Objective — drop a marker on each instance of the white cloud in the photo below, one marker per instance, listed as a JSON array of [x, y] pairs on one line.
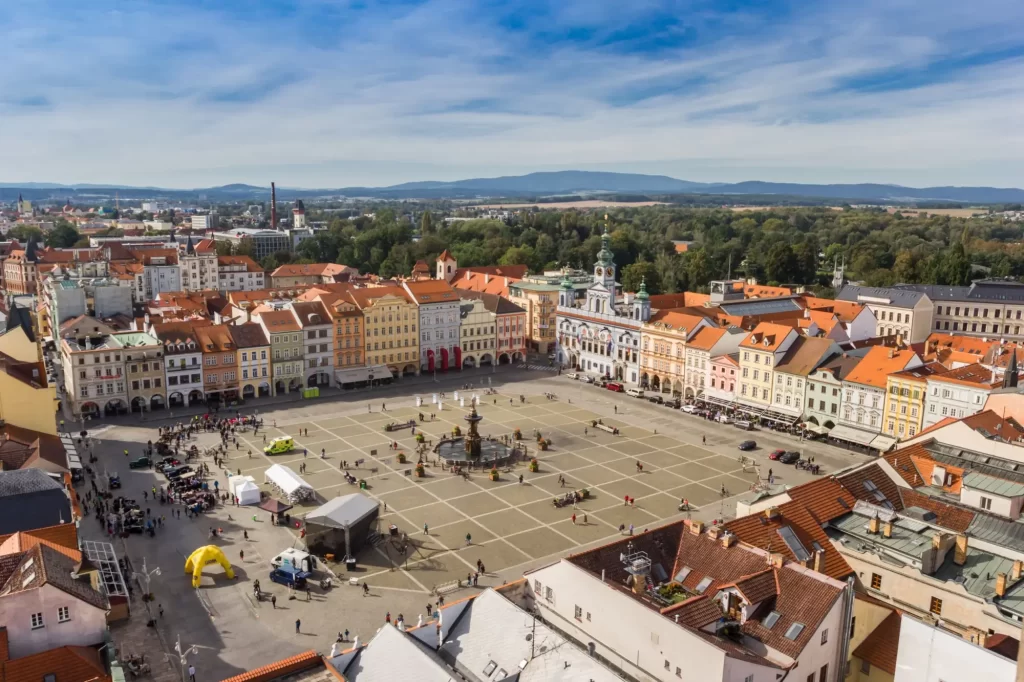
[[439, 92]]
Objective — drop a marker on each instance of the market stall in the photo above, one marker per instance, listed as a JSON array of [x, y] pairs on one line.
[[289, 483], [245, 489]]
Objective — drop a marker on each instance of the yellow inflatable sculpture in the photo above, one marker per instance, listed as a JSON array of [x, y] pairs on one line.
[[206, 555]]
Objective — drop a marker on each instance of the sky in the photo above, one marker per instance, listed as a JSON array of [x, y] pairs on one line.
[[337, 93]]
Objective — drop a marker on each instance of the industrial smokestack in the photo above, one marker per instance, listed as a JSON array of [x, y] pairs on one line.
[[273, 207]]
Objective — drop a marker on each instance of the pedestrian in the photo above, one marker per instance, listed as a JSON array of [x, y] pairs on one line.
[[574, 519], [191, 673], [303, 453], [387, 618], [426, 531], [520, 479], [250, 453], [308, 593], [160, 608], [631, 529], [430, 608], [323, 453], [346, 635], [383, 407], [616, 409], [703, 440], [241, 555], [366, 589], [469, 539], [769, 475], [625, 500], [298, 625], [245, 534], [632, 502], [585, 522], [273, 600]]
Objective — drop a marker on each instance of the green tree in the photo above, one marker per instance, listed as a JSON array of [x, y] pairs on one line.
[[62, 236], [223, 248], [904, 270], [954, 268], [698, 269], [25, 233], [780, 265], [426, 224], [517, 255], [641, 271]]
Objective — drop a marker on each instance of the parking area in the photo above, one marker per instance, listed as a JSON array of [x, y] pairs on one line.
[[511, 526]]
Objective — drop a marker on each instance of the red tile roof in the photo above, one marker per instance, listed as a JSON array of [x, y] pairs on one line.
[[767, 336], [877, 479], [758, 587], [880, 647], [949, 516], [878, 364], [279, 669], [64, 534], [66, 663]]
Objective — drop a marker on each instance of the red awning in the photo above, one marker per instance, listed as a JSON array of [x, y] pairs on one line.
[[458, 357], [430, 361], [444, 359]]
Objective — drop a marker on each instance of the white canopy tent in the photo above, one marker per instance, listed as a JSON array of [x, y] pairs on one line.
[[245, 489], [289, 483]]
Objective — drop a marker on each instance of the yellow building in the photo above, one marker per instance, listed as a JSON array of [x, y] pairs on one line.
[[478, 337], [27, 398], [539, 301], [390, 318], [760, 353], [663, 350], [904, 400]]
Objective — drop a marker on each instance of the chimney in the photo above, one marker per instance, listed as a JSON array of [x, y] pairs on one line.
[[873, 525], [937, 541], [960, 554], [273, 206], [1015, 573], [487, 278], [696, 527], [887, 529], [1000, 584], [771, 512], [775, 559], [728, 539], [819, 561], [892, 353], [714, 532]]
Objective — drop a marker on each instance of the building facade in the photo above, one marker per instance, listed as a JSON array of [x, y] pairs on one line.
[[905, 394], [220, 363], [254, 366], [239, 273], [286, 344], [790, 399], [198, 263], [144, 369], [318, 339], [760, 352], [438, 306], [478, 332], [902, 312], [864, 390], [390, 322], [540, 303], [183, 362], [959, 392]]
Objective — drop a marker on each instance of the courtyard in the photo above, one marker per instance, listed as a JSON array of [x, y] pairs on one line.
[[511, 526]]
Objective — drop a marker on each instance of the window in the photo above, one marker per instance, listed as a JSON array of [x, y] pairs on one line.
[[63, 614], [37, 621], [986, 503], [794, 631], [549, 594], [824, 636], [876, 581], [865, 667], [823, 673], [668, 666], [936, 606], [578, 613]]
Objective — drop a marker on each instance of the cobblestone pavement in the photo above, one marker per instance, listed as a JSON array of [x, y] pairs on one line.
[[512, 526]]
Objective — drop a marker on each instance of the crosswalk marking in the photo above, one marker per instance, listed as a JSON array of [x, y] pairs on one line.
[[544, 368]]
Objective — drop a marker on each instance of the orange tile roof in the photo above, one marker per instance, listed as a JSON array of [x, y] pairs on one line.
[[214, 338], [902, 461], [825, 320], [684, 299], [66, 663], [824, 499], [880, 647], [969, 375], [279, 321], [206, 246], [484, 283], [920, 374], [925, 466], [445, 255], [513, 272], [846, 311], [767, 336], [432, 291], [23, 541], [949, 516], [65, 535], [996, 425], [949, 348], [368, 296], [309, 269], [764, 291], [273, 671], [878, 364], [249, 263], [673, 320], [706, 338]]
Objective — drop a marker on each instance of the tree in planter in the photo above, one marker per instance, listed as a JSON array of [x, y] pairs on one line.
[[420, 438], [421, 472], [456, 432], [494, 475], [401, 458], [517, 434], [534, 465], [543, 443]]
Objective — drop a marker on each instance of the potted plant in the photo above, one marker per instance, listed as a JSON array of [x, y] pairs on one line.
[[517, 434], [494, 475], [584, 493], [534, 465], [456, 432], [420, 438], [543, 443], [421, 472], [401, 458], [539, 437]]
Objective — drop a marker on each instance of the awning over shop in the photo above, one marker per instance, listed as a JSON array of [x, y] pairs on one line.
[[852, 435], [753, 410], [352, 376], [883, 443], [781, 417], [444, 359], [458, 357], [814, 428], [715, 400]]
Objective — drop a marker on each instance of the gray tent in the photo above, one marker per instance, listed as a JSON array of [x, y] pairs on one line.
[[341, 526]]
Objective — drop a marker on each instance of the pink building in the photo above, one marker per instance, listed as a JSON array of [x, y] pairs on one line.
[[721, 388], [510, 326]]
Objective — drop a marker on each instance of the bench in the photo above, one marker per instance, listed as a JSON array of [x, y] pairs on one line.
[[605, 427]]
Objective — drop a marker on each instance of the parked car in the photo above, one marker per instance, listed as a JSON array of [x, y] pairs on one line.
[[674, 403], [280, 445], [689, 409], [775, 454], [657, 399], [589, 379], [743, 424], [140, 463], [748, 445], [635, 392], [573, 375], [612, 386], [789, 457], [724, 419], [290, 576]]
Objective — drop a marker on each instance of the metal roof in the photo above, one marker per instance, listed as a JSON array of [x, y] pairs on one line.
[[891, 296], [991, 484], [760, 306], [981, 291], [998, 531], [977, 462]]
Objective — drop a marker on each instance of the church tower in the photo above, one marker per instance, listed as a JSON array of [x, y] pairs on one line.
[[642, 303], [839, 274], [566, 292], [446, 266], [604, 268]]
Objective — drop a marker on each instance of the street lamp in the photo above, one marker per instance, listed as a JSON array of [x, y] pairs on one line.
[[183, 655], [146, 575]]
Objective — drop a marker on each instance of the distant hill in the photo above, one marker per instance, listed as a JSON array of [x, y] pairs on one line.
[[537, 185]]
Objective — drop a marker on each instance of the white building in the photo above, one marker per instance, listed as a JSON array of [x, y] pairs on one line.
[[792, 375], [928, 653], [898, 311], [438, 304], [599, 335], [239, 273], [161, 272], [707, 343], [183, 361], [199, 266], [203, 222], [318, 338], [679, 602], [959, 393], [863, 405]]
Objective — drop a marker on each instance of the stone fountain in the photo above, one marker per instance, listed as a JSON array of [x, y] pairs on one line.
[[472, 447]]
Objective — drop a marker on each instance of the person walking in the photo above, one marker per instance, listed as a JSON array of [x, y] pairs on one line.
[[298, 625], [366, 589], [387, 618], [469, 539], [273, 601], [426, 531], [574, 519], [191, 673], [703, 440]]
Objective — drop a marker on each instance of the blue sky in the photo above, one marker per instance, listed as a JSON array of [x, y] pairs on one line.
[[329, 93]]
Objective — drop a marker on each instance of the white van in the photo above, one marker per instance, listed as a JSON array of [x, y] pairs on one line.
[[295, 557], [635, 392], [573, 376], [724, 419]]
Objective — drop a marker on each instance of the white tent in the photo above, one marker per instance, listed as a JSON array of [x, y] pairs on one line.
[[245, 489], [288, 482]]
